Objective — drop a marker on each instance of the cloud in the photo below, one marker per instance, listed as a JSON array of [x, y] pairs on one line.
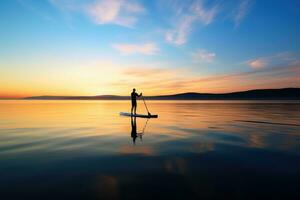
[[178, 36], [206, 16], [117, 12], [197, 12], [257, 63], [241, 11], [283, 58], [202, 55], [274, 77], [146, 48], [165, 81]]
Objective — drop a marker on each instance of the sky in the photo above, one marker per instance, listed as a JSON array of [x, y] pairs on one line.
[[98, 47]]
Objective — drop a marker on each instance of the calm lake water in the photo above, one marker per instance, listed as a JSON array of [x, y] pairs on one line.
[[195, 149]]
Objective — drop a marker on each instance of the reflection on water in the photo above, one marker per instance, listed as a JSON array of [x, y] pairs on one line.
[[203, 149], [134, 133]]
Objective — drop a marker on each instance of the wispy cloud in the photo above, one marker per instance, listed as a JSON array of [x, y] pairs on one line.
[[205, 15], [257, 63], [196, 12], [283, 58], [162, 81], [146, 48], [179, 34], [118, 12], [202, 55], [273, 77], [241, 11], [200, 12]]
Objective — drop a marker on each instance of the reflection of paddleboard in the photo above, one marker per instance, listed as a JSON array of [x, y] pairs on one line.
[[138, 115]]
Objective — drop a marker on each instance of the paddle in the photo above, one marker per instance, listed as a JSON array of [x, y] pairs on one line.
[[146, 106]]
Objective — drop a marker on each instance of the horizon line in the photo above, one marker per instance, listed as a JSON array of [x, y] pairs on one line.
[[159, 95]]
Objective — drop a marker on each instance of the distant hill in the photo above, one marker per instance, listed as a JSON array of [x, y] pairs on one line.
[[261, 94]]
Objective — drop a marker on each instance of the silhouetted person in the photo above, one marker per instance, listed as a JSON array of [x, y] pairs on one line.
[[133, 129], [134, 95]]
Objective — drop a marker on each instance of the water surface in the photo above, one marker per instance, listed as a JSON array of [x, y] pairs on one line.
[[195, 149]]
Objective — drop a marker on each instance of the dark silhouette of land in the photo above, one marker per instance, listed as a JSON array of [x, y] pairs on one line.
[[259, 94]]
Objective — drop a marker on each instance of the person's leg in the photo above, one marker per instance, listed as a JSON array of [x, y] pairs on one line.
[[132, 107], [135, 108]]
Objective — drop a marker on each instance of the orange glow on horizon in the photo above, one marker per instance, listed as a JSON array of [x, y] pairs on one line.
[[152, 82]]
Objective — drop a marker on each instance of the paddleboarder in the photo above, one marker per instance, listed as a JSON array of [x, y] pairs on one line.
[[134, 95]]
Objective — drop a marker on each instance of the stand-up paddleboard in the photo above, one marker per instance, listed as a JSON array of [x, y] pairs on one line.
[[137, 115]]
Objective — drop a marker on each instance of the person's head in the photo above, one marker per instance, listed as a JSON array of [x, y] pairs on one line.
[[133, 89]]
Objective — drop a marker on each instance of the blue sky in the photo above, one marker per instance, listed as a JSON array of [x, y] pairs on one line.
[[89, 47]]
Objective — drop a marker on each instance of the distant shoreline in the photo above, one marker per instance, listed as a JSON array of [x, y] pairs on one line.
[[259, 94]]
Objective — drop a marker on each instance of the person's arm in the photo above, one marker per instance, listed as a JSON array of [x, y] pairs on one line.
[[140, 95]]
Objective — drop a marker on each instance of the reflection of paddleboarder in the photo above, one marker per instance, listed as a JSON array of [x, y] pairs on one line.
[[133, 129], [134, 133], [134, 95]]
